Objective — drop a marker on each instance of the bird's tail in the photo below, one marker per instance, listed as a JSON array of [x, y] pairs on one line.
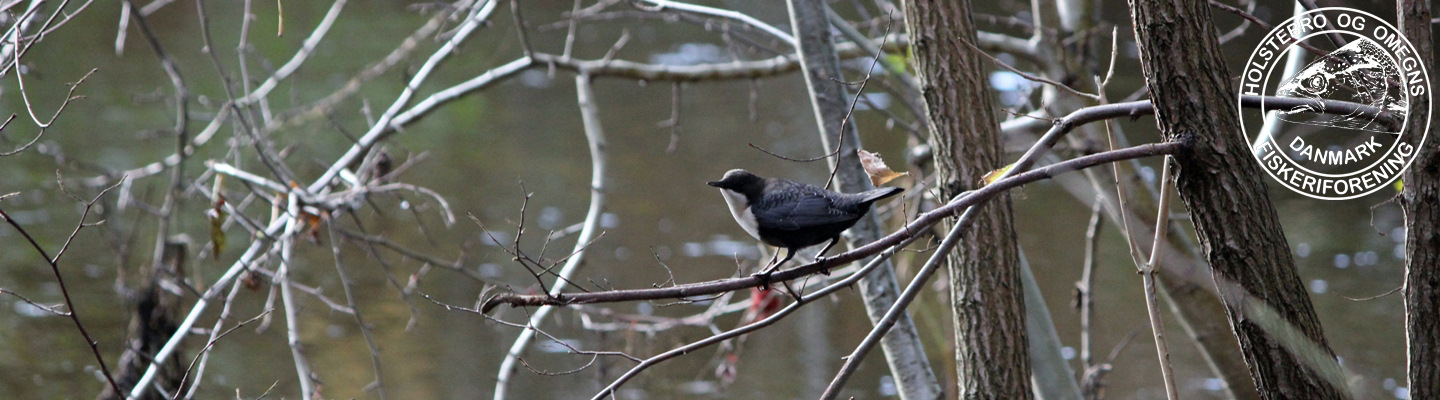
[[879, 193]]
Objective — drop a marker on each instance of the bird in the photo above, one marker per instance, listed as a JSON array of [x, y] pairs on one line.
[[793, 215]]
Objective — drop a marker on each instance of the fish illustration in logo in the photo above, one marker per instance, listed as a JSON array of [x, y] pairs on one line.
[[1359, 72]]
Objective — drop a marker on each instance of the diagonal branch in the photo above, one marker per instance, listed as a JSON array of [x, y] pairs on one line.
[[909, 230], [1063, 126]]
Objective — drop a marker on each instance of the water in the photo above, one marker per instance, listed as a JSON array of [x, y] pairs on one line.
[[479, 151]]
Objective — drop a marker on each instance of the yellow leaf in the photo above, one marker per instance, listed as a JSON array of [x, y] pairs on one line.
[[996, 174], [217, 217], [875, 167]]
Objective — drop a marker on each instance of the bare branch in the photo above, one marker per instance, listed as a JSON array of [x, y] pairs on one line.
[[64, 290], [292, 321], [25, 98], [1147, 273], [55, 309], [211, 343], [595, 135], [918, 225], [1061, 127], [365, 330], [660, 5], [384, 126], [747, 328], [1029, 76], [306, 49]]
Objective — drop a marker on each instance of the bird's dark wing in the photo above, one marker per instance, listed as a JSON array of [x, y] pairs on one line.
[[805, 209]]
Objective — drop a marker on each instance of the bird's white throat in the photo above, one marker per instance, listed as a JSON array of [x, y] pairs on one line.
[[740, 209]]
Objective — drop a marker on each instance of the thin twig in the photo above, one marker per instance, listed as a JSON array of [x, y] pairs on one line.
[[55, 309], [25, 98], [595, 136], [744, 329], [204, 354], [520, 27], [573, 349], [1147, 273], [1266, 26], [211, 343], [60, 281], [382, 127], [251, 254], [306, 49], [1059, 130], [1029, 76], [920, 224], [365, 330], [859, 92], [840, 143], [660, 5], [1084, 295], [68, 97]]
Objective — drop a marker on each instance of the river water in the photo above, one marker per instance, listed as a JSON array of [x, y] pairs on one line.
[[484, 151]]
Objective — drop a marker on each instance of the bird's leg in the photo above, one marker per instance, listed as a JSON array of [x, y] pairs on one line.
[[774, 257], [765, 274], [820, 257], [789, 253]]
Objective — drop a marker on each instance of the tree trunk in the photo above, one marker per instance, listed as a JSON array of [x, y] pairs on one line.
[[904, 352], [1267, 305], [1421, 201], [154, 319], [985, 290], [1073, 57]]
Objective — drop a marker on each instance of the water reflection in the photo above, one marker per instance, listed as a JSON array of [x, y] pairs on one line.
[[692, 54], [29, 310], [526, 130], [564, 345], [702, 387], [724, 246]]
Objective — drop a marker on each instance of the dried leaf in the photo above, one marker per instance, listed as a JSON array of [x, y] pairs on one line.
[[313, 221], [875, 167], [996, 174], [217, 234], [250, 280], [217, 217]]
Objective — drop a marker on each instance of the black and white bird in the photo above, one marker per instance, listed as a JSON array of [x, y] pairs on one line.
[[793, 215]]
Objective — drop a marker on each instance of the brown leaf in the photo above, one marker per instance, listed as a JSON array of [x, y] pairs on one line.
[[875, 167], [250, 280], [217, 217], [313, 221]]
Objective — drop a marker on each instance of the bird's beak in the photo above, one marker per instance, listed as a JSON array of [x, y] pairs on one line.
[[713, 183]]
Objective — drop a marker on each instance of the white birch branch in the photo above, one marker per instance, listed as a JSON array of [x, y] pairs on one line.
[[287, 297], [590, 116], [201, 304], [306, 48], [382, 127], [729, 14]]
